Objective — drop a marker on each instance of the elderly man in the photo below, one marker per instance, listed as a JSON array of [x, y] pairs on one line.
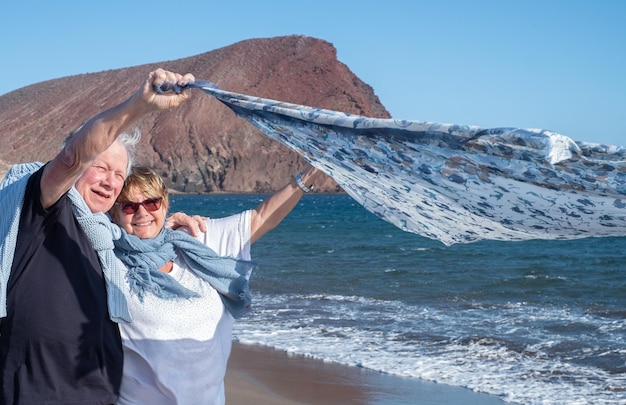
[[59, 343]]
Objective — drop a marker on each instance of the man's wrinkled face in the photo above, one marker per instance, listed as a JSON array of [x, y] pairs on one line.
[[102, 182]]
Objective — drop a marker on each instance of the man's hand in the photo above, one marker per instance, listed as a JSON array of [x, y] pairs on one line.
[[192, 224], [151, 100]]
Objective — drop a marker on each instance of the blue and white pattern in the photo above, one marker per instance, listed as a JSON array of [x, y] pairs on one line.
[[454, 183]]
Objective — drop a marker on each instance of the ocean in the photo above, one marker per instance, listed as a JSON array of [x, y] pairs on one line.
[[536, 322]]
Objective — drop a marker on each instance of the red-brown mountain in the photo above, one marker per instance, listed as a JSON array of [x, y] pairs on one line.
[[201, 146]]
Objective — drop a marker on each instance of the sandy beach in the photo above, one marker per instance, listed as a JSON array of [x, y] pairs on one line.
[[263, 376]]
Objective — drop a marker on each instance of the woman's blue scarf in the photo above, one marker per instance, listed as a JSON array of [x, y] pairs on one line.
[[144, 258]]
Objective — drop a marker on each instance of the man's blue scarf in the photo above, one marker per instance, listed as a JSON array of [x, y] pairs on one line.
[[97, 227]]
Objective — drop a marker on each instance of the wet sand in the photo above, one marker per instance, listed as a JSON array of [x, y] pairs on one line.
[[263, 376]]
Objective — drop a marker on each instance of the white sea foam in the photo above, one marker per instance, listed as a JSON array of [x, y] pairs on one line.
[[471, 348]]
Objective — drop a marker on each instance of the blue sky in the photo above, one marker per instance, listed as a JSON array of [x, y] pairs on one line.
[[551, 64]]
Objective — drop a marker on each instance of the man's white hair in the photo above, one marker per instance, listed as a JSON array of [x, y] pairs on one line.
[[128, 140]]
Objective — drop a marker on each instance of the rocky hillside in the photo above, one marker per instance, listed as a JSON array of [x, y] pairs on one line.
[[201, 146]]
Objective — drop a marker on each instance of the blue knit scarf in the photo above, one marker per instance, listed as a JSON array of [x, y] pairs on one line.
[[96, 226], [143, 258]]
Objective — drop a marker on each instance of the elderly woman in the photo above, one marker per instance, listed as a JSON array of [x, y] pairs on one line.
[[186, 292]]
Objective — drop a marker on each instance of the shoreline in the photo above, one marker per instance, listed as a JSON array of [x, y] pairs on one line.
[[264, 376]]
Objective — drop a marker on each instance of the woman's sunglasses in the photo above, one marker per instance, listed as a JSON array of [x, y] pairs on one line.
[[151, 204]]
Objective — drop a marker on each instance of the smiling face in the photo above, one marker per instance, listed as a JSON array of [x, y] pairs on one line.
[[142, 222], [102, 182], [142, 205]]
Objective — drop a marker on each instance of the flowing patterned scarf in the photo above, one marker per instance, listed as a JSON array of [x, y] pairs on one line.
[[454, 183], [143, 258]]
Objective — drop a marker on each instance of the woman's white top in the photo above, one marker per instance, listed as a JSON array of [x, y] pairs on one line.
[[176, 351]]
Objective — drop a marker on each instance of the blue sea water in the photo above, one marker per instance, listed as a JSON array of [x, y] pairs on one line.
[[536, 322]]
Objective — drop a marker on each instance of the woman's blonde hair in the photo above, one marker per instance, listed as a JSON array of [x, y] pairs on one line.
[[146, 181]]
